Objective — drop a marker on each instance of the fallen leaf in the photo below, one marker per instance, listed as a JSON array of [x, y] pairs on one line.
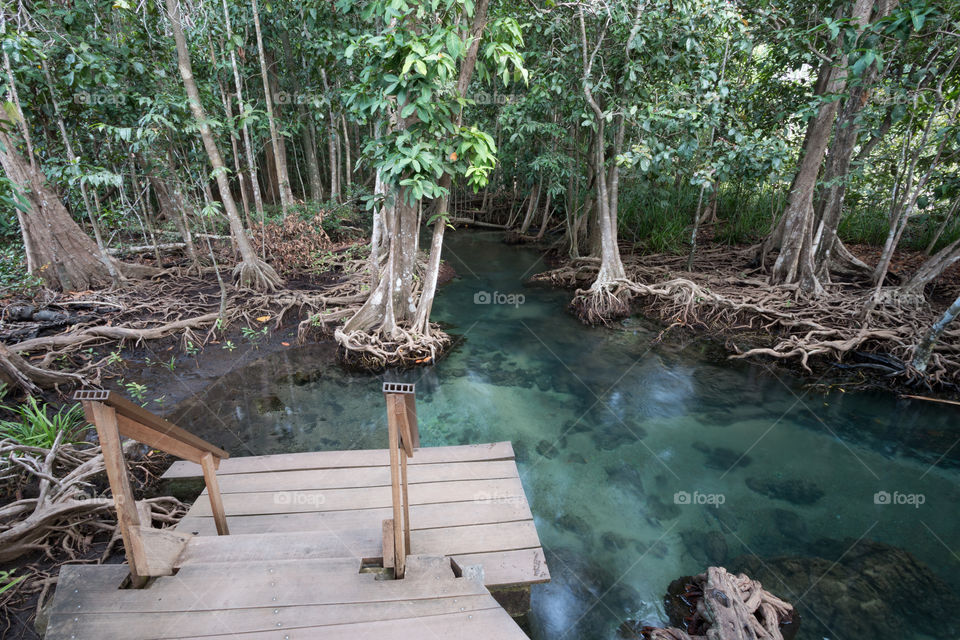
[[263, 318]]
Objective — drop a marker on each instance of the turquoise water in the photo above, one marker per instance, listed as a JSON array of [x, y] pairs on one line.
[[643, 461]]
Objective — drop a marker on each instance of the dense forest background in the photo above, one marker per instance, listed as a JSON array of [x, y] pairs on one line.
[[803, 155]]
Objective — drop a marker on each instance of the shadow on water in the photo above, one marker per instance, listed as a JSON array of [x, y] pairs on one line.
[[646, 462]]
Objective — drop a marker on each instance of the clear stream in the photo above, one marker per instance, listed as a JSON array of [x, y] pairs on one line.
[[645, 461]]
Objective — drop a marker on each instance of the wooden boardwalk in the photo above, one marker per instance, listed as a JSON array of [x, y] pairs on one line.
[[301, 526]]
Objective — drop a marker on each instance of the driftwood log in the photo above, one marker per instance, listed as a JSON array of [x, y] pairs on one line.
[[718, 605]]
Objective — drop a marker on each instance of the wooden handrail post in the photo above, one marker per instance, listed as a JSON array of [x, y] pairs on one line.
[[150, 552], [104, 418], [404, 437], [209, 465], [400, 555]]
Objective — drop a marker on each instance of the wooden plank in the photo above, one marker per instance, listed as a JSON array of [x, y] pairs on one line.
[[479, 538], [157, 440], [489, 624], [478, 491], [135, 412], [364, 476], [410, 404], [345, 459], [361, 543], [399, 550], [503, 568], [220, 586], [422, 516], [389, 560], [162, 549], [209, 466], [104, 419], [405, 497], [163, 626]]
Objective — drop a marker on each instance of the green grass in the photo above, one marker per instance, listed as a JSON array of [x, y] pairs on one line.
[[36, 426]]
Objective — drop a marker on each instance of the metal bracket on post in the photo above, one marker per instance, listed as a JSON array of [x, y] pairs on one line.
[[404, 437]]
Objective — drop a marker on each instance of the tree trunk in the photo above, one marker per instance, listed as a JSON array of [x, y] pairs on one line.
[[331, 142], [844, 142], [933, 268], [924, 350], [250, 272], [546, 218], [241, 106], [425, 305], [71, 157], [796, 261], [276, 144], [174, 214], [532, 207], [57, 248]]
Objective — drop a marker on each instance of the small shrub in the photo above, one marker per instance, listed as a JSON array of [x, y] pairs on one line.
[[37, 427]]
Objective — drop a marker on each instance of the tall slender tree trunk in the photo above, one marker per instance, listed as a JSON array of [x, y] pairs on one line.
[[280, 160], [251, 271], [242, 108], [532, 207], [331, 141], [601, 301]]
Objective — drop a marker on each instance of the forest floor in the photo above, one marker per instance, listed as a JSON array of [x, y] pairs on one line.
[[728, 297]]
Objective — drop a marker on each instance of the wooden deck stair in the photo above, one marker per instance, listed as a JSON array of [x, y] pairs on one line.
[[399, 542], [281, 599]]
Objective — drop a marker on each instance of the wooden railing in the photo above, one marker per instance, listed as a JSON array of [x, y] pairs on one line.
[[150, 552], [404, 437]]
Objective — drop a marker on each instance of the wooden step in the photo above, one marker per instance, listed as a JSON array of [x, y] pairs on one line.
[[312, 598], [360, 543], [345, 459]]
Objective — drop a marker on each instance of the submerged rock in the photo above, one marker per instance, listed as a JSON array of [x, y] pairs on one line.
[[708, 548], [547, 449], [615, 542], [268, 404], [794, 490], [867, 590], [721, 458], [575, 525], [662, 510]]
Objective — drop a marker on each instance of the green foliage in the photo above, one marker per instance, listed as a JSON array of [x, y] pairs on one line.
[[254, 336], [136, 390], [36, 426], [14, 277]]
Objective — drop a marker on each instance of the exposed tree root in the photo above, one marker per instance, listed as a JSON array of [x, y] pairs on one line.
[[717, 605], [65, 510], [373, 351], [728, 297], [601, 304], [192, 307], [257, 275]]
